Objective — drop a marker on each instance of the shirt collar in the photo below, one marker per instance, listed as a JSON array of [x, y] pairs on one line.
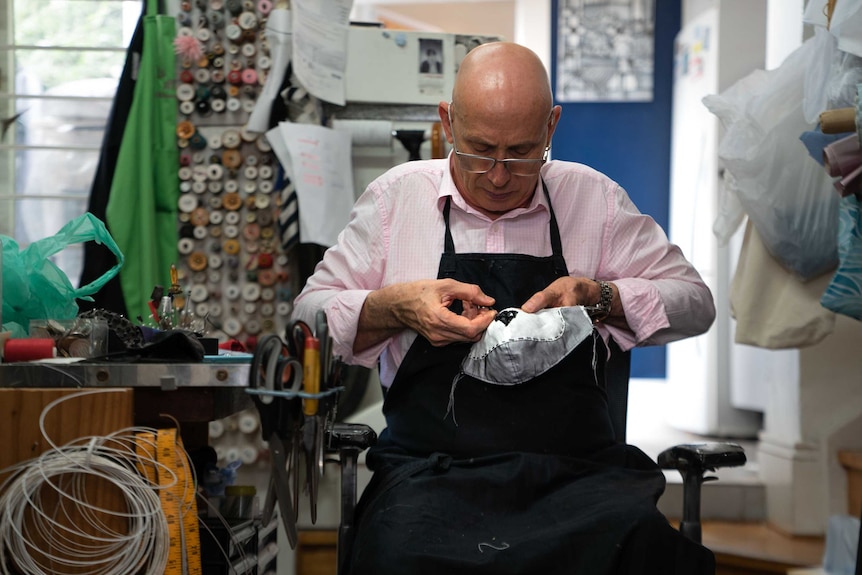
[[448, 189]]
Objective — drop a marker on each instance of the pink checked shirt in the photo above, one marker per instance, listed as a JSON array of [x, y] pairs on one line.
[[396, 230]]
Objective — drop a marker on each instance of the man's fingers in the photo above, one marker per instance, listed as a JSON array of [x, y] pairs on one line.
[[537, 301], [457, 328], [466, 293]]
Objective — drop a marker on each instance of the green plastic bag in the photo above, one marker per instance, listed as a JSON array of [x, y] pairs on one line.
[[35, 288]]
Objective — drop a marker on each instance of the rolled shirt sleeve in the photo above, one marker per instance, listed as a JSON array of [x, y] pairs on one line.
[[663, 295]]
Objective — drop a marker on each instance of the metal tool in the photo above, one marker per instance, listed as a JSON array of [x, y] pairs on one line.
[[295, 335], [318, 406], [320, 411], [312, 436], [280, 421]]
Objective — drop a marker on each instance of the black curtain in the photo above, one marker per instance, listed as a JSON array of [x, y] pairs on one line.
[[97, 258]]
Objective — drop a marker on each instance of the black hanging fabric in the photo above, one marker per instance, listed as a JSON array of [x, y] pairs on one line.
[[97, 258], [279, 112]]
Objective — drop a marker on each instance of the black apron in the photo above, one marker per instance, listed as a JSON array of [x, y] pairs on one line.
[[507, 479]]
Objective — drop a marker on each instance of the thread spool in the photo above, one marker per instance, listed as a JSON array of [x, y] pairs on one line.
[[216, 429], [248, 423], [28, 349], [248, 454], [838, 121], [232, 454]]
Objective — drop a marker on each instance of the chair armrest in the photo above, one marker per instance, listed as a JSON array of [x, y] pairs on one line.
[[350, 436], [702, 456], [348, 440], [693, 461]]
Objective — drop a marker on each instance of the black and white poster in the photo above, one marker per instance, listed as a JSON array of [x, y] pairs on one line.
[[605, 50]]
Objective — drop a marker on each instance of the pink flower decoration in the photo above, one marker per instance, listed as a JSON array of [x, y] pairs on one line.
[[188, 47]]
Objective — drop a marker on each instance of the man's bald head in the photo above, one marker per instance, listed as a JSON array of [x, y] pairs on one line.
[[502, 78]]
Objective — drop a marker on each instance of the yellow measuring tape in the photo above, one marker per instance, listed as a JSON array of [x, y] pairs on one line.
[[177, 500]]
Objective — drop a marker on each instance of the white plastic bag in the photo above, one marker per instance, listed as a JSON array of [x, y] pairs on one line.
[[832, 76], [816, 92], [787, 195], [846, 25]]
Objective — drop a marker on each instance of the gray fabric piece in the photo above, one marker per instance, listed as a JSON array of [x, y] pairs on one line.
[[519, 346]]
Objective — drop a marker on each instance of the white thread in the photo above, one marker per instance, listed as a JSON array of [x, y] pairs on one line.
[[72, 532], [502, 547], [450, 408]]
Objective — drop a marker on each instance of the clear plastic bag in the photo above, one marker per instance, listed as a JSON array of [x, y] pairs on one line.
[[786, 194]]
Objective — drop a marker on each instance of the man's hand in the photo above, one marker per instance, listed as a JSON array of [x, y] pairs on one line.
[[564, 292], [424, 306], [569, 291]]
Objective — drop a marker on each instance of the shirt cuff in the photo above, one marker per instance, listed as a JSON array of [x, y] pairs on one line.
[[651, 316]]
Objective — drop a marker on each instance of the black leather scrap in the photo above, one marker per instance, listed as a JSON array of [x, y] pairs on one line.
[[171, 346]]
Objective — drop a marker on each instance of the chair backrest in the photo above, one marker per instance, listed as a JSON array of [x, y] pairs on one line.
[[617, 371]]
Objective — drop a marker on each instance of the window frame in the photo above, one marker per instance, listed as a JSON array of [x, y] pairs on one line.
[[13, 152]]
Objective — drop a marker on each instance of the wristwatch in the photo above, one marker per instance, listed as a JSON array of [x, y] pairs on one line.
[[602, 309]]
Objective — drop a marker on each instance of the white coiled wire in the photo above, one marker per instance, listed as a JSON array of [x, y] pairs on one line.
[[75, 534]]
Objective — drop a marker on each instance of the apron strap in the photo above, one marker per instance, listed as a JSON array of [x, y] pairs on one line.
[[556, 242], [447, 264]]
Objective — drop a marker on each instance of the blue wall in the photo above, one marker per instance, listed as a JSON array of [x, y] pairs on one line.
[[630, 142]]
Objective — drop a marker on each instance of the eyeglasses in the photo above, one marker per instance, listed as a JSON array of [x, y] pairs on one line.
[[484, 164]]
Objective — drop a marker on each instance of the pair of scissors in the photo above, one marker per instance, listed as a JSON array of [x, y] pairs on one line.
[[280, 420], [314, 347], [317, 360]]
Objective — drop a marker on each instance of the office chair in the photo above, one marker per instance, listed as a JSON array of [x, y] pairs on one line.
[[692, 461]]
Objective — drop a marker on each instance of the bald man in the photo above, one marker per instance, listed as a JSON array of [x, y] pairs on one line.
[[528, 478]]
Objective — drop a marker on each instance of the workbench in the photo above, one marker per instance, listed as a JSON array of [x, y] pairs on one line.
[[157, 395], [192, 393]]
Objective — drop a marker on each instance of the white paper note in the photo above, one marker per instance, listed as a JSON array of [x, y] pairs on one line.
[[320, 30], [317, 159]]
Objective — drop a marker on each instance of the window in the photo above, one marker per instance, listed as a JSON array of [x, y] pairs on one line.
[[60, 61]]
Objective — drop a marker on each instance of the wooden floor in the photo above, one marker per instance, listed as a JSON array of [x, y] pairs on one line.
[[757, 549]]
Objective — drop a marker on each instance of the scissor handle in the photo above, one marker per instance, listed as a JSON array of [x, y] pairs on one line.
[[297, 373], [266, 356], [295, 335], [271, 358]]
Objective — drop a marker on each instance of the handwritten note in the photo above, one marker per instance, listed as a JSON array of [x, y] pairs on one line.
[[317, 159]]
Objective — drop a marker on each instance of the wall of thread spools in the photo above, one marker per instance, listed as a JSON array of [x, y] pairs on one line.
[[231, 263], [237, 439]]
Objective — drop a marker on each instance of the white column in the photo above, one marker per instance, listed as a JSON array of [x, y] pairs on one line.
[[533, 27]]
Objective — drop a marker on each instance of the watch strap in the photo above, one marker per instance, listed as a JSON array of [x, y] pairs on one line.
[[606, 294]]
